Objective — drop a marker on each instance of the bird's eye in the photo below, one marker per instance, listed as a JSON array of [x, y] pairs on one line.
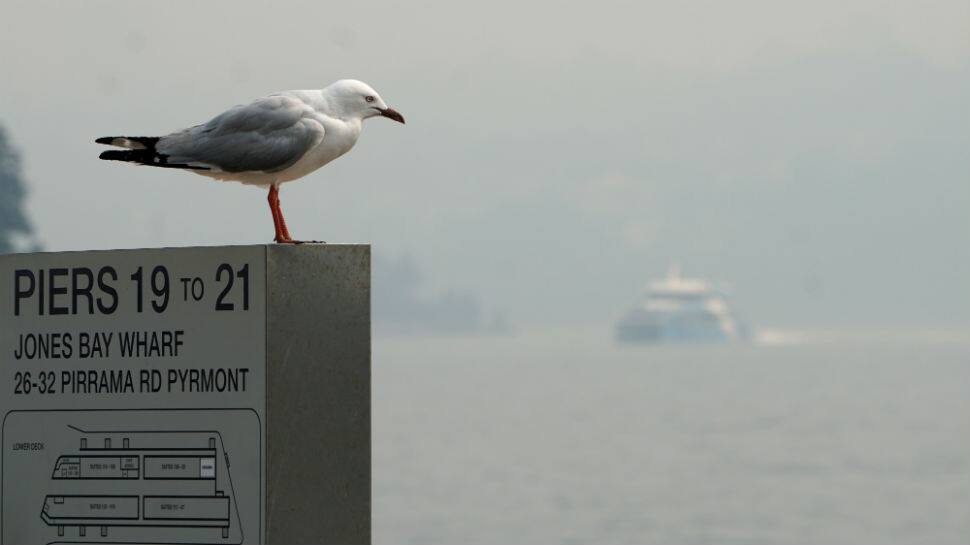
[[369, 98]]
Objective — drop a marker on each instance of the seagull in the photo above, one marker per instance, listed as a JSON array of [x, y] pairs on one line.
[[272, 140]]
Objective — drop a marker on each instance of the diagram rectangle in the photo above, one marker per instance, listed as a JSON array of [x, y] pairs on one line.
[[214, 508], [96, 467], [178, 467], [63, 509]]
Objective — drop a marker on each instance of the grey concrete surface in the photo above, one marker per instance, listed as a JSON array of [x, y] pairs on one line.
[[318, 467]]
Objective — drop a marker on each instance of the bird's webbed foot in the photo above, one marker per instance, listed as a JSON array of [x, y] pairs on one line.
[[291, 241]]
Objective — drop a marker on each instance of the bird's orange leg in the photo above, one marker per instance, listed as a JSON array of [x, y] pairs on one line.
[[274, 207], [286, 232], [282, 233]]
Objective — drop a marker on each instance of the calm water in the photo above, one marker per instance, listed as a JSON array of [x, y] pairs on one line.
[[562, 437]]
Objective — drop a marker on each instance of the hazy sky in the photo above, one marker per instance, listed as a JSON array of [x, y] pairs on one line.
[[814, 156]]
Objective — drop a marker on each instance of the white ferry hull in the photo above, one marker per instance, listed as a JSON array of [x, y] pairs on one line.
[[643, 327], [681, 310]]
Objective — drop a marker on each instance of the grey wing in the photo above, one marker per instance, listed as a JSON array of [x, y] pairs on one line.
[[268, 135]]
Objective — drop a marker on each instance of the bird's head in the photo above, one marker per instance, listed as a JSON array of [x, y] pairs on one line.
[[356, 99]]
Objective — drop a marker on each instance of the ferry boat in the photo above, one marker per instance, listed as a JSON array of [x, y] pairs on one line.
[[678, 309]]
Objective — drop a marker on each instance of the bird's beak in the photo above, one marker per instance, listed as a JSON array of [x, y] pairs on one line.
[[391, 113]]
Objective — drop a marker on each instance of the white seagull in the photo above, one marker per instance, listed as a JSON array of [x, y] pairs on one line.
[[272, 140]]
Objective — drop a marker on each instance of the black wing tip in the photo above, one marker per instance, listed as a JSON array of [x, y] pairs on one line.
[[105, 140], [145, 157], [114, 155]]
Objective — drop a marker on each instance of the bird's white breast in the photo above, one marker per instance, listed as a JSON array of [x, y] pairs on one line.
[[338, 137]]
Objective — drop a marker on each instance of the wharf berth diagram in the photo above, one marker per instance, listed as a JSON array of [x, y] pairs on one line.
[[164, 482]]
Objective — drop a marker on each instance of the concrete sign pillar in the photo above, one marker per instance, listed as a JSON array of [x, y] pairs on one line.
[[186, 395]]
